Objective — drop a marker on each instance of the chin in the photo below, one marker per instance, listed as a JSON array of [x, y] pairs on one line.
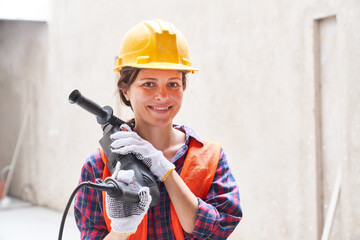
[[161, 123]]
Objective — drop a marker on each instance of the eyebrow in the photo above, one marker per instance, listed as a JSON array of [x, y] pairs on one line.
[[155, 79], [148, 78]]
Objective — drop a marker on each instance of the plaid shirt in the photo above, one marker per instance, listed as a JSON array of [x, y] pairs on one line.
[[218, 215]]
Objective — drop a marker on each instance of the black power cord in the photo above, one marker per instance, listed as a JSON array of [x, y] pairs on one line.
[[110, 186], [83, 184]]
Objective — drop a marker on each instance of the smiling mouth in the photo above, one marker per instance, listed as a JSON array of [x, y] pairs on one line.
[[160, 108]]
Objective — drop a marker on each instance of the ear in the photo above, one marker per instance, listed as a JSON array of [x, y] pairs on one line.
[[124, 90], [125, 93]]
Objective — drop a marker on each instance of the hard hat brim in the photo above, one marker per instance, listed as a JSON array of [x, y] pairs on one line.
[[162, 65]]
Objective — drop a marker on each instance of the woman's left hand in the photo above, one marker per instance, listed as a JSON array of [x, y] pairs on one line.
[[126, 216], [125, 142]]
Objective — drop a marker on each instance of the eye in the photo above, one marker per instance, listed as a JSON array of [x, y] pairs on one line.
[[174, 84], [149, 84]]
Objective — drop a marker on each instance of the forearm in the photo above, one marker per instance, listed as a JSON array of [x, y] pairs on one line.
[[184, 201], [115, 236]]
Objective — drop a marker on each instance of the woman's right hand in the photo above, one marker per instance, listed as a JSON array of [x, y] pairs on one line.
[[125, 142]]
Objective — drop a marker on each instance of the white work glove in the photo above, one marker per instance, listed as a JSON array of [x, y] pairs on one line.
[[127, 141], [126, 216]]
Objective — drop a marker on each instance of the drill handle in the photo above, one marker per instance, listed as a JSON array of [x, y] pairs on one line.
[[104, 115]]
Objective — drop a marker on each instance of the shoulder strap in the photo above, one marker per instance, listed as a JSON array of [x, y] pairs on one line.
[[106, 173]]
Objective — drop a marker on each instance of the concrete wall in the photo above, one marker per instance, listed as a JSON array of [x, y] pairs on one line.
[[23, 47], [259, 92]]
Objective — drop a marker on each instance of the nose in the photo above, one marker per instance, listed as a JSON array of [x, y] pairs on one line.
[[161, 93]]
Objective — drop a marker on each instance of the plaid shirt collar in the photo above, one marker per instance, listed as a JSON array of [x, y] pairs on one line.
[[189, 133]]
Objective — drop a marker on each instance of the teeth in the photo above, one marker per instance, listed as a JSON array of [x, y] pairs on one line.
[[160, 108]]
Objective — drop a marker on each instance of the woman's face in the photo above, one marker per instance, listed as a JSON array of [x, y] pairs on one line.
[[156, 96]]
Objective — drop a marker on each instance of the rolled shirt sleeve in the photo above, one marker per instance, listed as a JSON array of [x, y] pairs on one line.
[[88, 202]]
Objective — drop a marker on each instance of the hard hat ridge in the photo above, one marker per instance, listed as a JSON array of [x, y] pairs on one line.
[[155, 44]]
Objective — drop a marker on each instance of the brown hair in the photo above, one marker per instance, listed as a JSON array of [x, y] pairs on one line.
[[128, 76]]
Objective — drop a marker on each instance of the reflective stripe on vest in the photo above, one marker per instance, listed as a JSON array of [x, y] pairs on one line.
[[198, 172]]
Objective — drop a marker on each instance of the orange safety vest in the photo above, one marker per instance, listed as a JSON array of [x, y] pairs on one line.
[[198, 173]]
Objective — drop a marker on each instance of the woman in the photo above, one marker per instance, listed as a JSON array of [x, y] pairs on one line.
[[199, 198]]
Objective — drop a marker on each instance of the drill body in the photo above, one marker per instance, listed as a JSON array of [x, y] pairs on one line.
[[111, 124]]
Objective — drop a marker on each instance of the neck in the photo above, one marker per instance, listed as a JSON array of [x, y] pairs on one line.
[[160, 137]]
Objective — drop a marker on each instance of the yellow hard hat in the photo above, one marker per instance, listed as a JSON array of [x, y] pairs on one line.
[[154, 44]]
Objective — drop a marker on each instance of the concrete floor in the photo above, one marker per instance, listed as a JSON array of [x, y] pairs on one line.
[[21, 220]]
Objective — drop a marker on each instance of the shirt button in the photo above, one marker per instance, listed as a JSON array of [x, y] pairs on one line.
[[157, 217]]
